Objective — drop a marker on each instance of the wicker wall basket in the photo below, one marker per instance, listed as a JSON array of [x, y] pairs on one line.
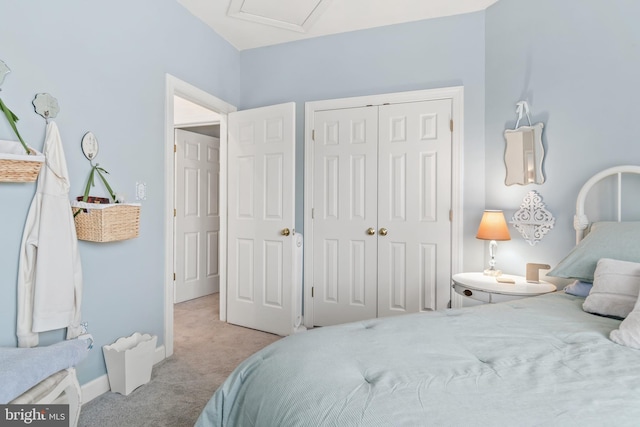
[[16, 165], [106, 222]]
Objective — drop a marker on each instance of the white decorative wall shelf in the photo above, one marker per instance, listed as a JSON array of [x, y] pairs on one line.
[[533, 220]]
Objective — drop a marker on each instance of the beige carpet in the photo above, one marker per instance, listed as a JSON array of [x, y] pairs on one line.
[[206, 350]]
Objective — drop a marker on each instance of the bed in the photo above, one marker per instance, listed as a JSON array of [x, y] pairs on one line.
[[545, 360]]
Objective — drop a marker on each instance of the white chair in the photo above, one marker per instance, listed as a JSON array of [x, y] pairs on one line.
[[61, 387]]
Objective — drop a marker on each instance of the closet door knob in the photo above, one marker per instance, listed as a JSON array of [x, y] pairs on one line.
[[285, 232], [383, 231], [371, 231]]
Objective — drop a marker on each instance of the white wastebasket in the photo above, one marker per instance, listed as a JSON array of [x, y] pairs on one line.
[[129, 361]]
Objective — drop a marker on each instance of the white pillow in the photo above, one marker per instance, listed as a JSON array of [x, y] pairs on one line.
[[615, 289], [629, 332]]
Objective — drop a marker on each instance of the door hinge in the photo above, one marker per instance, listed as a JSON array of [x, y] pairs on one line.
[[313, 213], [175, 148], [174, 277], [313, 135], [174, 212], [312, 291], [450, 215], [451, 125]]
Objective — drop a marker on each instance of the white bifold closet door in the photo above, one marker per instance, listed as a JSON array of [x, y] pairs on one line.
[[414, 201], [382, 197], [345, 207]]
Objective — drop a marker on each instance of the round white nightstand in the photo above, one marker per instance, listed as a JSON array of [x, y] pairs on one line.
[[487, 289]]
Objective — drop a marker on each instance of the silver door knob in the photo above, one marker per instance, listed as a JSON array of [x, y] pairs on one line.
[[383, 231]]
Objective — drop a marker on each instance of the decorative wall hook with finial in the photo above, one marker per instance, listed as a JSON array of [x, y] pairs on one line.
[[89, 146], [46, 105]]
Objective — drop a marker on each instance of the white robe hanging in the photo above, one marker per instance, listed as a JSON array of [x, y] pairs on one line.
[[50, 273]]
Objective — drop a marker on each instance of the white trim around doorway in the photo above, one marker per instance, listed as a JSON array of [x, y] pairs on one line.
[[175, 86]]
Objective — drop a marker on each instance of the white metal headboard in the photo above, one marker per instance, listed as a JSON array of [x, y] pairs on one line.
[[580, 220]]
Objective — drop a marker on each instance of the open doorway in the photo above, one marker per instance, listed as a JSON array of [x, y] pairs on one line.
[[178, 91], [197, 201]]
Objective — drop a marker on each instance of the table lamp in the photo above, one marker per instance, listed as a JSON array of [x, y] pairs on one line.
[[493, 227]]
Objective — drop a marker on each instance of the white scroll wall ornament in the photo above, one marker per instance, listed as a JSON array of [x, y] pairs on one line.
[[533, 220]]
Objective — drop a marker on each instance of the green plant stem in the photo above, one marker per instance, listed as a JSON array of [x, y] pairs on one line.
[[91, 183], [12, 118], [106, 184]]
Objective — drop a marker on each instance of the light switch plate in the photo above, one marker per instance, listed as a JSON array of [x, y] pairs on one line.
[[141, 191]]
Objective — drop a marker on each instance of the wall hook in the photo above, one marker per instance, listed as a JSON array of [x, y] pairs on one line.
[[46, 105]]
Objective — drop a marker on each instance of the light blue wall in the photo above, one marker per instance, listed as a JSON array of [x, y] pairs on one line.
[[105, 62], [577, 64], [419, 55]]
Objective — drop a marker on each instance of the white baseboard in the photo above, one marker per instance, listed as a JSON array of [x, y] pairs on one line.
[[100, 385], [95, 388], [159, 355]]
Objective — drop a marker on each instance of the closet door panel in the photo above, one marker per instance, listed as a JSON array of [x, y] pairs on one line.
[[414, 194], [345, 207]]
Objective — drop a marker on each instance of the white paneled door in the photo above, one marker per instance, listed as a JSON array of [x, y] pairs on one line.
[[261, 217], [197, 215], [381, 203], [345, 215], [414, 194]]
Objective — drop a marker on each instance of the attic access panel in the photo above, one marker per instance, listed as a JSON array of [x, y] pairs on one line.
[[294, 15]]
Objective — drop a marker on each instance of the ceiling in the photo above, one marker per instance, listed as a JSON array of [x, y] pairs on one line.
[[248, 24], [187, 113]]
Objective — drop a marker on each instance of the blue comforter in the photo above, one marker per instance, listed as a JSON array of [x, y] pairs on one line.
[[535, 361]]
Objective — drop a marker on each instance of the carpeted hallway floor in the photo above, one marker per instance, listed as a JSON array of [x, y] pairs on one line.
[[206, 350]]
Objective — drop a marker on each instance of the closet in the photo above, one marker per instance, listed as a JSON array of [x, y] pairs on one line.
[[380, 210]]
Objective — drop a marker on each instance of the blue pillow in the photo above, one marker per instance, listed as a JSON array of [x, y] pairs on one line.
[[578, 288], [615, 240]]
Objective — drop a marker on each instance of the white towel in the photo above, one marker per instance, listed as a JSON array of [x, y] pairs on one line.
[[50, 273]]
